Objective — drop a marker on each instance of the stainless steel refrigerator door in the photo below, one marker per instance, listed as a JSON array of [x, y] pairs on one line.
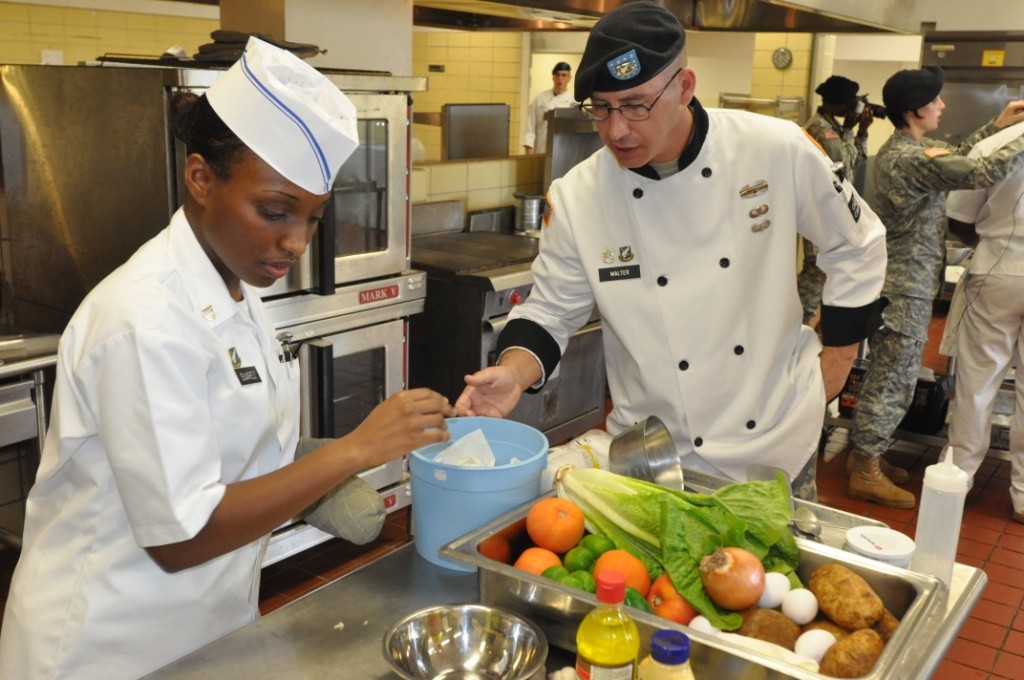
[[84, 184]]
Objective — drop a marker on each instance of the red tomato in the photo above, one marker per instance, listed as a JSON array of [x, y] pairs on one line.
[[667, 603]]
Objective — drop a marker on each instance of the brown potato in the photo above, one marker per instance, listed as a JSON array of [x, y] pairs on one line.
[[886, 626], [853, 656], [824, 624], [844, 597], [769, 625]]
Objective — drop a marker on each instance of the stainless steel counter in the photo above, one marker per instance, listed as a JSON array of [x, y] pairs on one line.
[[336, 631]]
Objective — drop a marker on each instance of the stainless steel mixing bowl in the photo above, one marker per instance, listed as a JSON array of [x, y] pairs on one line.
[[647, 451], [465, 641]]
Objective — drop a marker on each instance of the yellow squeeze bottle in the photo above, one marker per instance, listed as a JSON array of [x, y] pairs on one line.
[[607, 641]]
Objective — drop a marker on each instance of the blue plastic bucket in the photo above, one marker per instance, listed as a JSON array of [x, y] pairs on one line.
[[449, 501]]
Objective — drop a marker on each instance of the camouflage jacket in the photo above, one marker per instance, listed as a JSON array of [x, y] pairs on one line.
[[911, 181], [839, 143]]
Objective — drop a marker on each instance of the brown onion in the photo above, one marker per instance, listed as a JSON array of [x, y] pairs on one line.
[[733, 578]]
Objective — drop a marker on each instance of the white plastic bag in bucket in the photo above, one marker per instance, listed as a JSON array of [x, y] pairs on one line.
[[449, 501]]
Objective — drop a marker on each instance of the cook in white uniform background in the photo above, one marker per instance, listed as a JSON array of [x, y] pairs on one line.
[[990, 336], [535, 136], [683, 232], [169, 456]]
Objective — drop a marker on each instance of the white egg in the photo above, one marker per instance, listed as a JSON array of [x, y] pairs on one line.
[[702, 624], [814, 643], [800, 605], [776, 586]]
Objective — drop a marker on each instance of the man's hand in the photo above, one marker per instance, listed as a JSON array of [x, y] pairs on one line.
[[1013, 113], [495, 391], [835, 368]]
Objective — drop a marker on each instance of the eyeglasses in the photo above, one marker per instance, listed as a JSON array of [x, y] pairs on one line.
[[628, 111]]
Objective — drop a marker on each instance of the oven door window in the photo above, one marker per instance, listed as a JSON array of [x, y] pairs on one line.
[[359, 384], [360, 201], [346, 374]]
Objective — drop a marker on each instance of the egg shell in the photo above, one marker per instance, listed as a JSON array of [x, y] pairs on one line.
[[702, 624], [776, 586], [800, 605], [814, 643]]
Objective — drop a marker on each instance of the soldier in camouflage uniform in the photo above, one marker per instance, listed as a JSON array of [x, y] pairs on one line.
[[912, 175], [838, 101]]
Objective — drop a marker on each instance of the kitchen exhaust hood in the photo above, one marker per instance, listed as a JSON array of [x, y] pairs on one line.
[[807, 16]]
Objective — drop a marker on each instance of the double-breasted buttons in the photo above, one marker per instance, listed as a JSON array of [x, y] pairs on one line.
[[638, 193], [706, 172], [698, 441], [738, 349], [662, 281], [724, 262], [683, 365], [751, 424]]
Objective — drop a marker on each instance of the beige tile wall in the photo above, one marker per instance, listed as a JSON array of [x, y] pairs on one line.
[[480, 184], [84, 34], [480, 67], [768, 82]]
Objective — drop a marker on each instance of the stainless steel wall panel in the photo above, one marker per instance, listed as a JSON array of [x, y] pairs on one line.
[[85, 180]]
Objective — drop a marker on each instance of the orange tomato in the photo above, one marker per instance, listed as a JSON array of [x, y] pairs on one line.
[[667, 603], [555, 523], [497, 548], [626, 564], [535, 560]]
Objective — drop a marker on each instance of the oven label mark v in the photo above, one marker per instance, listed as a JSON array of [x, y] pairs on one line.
[[378, 294]]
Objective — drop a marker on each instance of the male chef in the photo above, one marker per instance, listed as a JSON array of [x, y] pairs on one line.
[[683, 231]]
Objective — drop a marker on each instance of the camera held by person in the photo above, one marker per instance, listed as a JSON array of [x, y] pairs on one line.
[[877, 110]]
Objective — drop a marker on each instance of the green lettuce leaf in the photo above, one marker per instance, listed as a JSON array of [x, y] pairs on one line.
[[671, 530]]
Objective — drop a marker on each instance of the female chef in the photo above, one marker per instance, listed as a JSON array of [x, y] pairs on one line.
[[169, 457]]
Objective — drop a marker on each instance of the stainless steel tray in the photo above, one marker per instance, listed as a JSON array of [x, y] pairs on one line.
[[913, 598]]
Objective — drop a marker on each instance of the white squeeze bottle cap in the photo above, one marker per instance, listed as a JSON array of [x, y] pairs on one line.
[[946, 476]]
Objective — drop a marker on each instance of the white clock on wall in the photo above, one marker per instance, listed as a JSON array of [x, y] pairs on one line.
[[782, 57]]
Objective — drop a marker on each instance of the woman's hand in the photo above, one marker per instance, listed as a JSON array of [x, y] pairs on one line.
[[404, 421]]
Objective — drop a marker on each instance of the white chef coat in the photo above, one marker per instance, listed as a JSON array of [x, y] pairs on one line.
[[150, 422], [988, 326], [536, 133], [707, 335]]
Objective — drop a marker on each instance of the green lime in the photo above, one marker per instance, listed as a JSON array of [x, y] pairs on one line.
[[579, 559], [587, 579], [597, 544], [572, 580], [635, 600], [555, 573]]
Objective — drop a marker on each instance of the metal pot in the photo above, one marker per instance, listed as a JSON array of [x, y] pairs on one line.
[[528, 211]]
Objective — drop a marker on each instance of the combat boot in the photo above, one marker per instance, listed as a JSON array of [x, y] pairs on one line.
[[896, 475], [868, 483]]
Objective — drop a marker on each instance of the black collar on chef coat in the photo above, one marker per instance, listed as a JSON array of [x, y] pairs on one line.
[[700, 133]]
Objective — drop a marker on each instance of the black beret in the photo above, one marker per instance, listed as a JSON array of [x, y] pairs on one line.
[[627, 47], [837, 90], [910, 89], [561, 66]]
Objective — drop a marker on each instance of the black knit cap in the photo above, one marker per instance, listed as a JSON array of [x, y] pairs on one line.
[[561, 66], [837, 90], [910, 89], [627, 47]]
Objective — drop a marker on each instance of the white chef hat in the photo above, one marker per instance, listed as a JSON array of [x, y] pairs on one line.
[[288, 113]]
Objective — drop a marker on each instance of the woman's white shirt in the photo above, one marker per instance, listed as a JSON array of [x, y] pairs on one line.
[[165, 393]]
